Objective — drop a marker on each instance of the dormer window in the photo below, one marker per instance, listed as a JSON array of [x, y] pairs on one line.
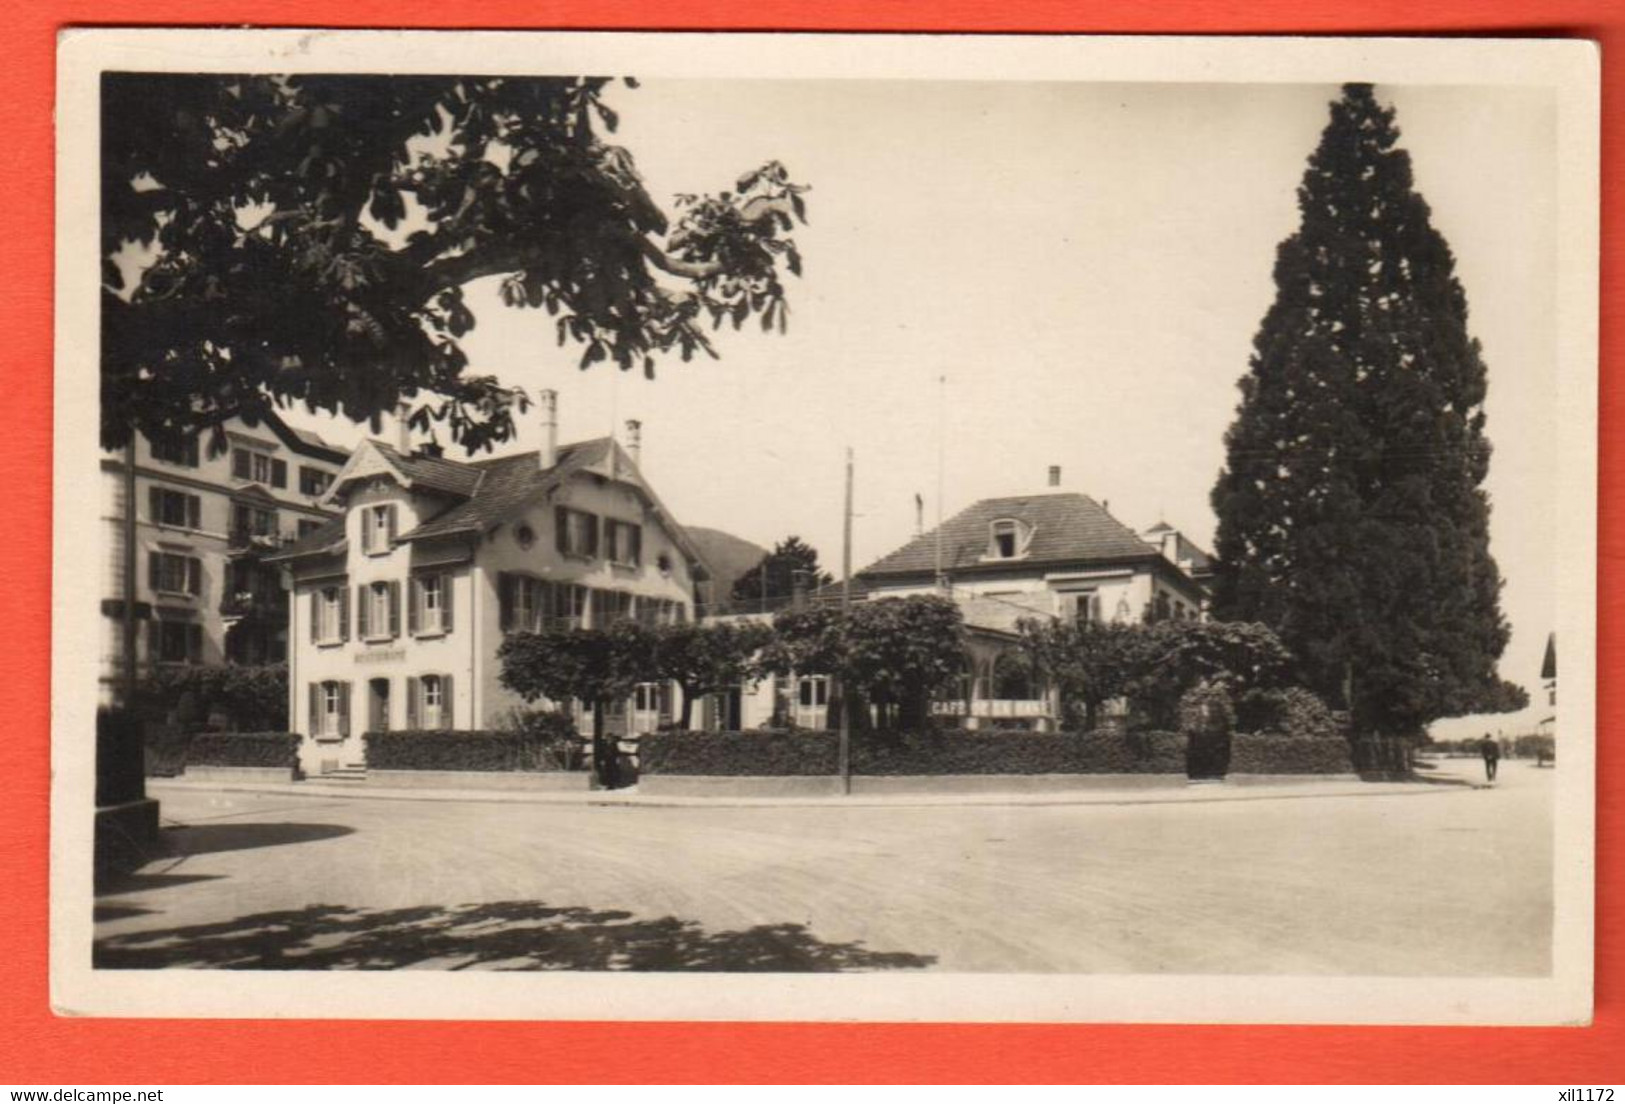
[[377, 530], [1008, 539]]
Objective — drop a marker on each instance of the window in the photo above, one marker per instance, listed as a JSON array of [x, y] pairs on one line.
[[177, 642], [610, 606], [252, 521], [577, 532], [524, 602], [812, 692], [174, 573], [330, 615], [569, 607], [330, 709], [653, 697], [308, 526], [313, 482], [378, 607], [623, 543], [377, 529], [182, 454], [430, 611], [429, 702], [175, 508], [1008, 540], [1085, 607], [259, 467]]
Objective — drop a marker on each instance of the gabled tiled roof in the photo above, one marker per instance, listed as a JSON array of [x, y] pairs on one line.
[[1066, 528], [436, 473], [327, 539], [504, 484]]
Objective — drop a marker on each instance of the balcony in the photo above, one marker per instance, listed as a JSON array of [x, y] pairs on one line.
[[244, 540], [264, 605]]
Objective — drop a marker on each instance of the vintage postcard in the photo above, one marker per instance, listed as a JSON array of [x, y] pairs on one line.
[[816, 527]]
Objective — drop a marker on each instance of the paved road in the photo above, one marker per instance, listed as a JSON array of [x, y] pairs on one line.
[[1445, 881]]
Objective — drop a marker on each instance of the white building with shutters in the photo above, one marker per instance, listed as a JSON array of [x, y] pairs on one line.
[[400, 605], [189, 526]]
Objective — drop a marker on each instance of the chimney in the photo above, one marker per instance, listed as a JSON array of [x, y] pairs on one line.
[[549, 453], [634, 442], [919, 515], [403, 428], [1055, 475]]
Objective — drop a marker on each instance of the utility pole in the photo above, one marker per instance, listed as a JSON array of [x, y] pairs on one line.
[[844, 751]]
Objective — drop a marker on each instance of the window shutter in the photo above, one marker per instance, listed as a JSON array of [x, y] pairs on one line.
[[194, 576], [445, 701], [344, 613], [154, 570], [637, 544], [279, 473], [344, 709], [505, 599], [154, 505], [194, 643], [363, 613], [194, 511], [241, 465], [315, 616], [561, 529], [592, 533], [413, 690], [390, 515], [414, 599], [394, 608], [445, 603], [313, 720]]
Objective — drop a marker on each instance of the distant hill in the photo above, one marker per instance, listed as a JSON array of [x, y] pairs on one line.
[[728, 556]]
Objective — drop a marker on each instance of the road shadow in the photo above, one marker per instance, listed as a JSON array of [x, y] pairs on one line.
[[504, 935], [207, 839]]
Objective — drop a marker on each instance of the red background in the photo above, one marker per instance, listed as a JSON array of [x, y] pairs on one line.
[[40, 1048]]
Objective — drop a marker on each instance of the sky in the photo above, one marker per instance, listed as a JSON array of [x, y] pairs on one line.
[[1004, 276]]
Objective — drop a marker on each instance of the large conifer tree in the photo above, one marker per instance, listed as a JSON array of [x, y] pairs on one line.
[[1352, 517]]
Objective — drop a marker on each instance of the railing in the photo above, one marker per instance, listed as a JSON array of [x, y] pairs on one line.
[[993, 708], [255, 604], [732, 607], [245, 538]]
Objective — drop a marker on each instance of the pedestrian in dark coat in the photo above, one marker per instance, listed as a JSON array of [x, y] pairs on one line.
[[1491, 751]]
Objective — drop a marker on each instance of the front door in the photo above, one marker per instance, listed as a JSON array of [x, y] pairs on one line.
[[378, 705]]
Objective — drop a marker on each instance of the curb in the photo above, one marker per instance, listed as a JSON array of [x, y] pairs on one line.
[[1207, 792]]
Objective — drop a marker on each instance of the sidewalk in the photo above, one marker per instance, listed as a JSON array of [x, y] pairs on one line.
[[1152, 790]]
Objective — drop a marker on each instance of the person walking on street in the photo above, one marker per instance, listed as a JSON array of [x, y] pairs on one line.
[[1491, 751]]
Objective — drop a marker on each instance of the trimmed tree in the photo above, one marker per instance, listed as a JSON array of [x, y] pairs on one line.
[[1090, 663], [892, 653], [307, 239], [707, 658], [595, 666], [1352, 518]]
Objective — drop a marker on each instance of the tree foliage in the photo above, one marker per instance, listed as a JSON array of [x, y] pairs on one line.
[[596, 666], [1089, 663], [706, 658], [893, 652], [774, 575], [307, 240], [248, 699], [1352, 518]]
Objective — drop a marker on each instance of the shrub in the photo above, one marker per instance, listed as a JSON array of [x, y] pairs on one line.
[[1257, 753], [477, 750], [884, 753], [553, 733], [762, 752], [242, 749], [1291, 711]]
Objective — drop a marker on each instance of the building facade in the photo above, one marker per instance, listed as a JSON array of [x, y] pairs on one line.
[[399, 606], [189, 528], [1051, 556]]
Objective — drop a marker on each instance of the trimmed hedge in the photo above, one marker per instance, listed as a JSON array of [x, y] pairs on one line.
[[1263, 753], [242, 749], [884, 753], [465, 750]]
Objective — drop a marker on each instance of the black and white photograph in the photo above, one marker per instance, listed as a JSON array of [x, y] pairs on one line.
[[802, 527]]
